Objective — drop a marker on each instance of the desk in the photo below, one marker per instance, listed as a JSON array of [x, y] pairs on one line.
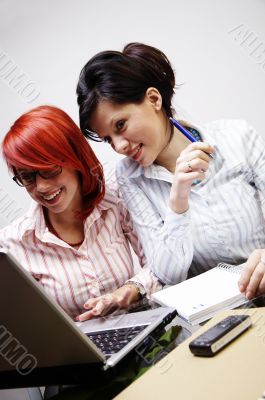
[[236, 373]]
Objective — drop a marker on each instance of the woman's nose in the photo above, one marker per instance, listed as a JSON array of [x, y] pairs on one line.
[[120, 145], [41, 183]]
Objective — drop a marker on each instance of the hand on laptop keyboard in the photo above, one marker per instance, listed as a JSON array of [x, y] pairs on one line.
[[100, 306]]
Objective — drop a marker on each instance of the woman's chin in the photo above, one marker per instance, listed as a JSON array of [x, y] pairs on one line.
[[145, 162]]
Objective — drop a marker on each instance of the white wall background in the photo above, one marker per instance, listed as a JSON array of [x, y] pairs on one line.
[[223, 76], [50, 41]]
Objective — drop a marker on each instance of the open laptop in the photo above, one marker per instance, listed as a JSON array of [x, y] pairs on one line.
[[36, 333]]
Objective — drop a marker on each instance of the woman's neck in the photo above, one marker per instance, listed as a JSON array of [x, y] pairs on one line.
[[168, 156], [67, 218], [66, 226]]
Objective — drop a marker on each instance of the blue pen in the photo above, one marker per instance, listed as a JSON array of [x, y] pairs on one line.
[[185, 132]]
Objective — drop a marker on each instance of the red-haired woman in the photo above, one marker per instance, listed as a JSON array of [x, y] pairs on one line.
[[75, 238]]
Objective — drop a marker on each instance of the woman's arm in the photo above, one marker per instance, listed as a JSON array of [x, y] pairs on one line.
[[167, 241], [252, 280], [144, 282], [167, 244], [145, 277]]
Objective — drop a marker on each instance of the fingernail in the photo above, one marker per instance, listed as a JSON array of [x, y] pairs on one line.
[[248, 294], [241, 288]]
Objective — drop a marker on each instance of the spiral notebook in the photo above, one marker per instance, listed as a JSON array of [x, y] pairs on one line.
[[200, 298]]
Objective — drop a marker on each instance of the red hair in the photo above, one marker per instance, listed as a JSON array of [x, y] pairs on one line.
[[47, 135]]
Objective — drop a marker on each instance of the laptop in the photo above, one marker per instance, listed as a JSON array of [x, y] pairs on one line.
[[36, 333]]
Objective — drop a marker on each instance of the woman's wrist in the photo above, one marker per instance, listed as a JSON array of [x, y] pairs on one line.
[[179, 206], [138, 290]]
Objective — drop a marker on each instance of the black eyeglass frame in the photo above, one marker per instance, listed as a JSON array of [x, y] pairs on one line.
[[45, 174]]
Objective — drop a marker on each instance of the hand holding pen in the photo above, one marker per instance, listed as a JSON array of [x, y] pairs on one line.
[[191, 166], [185, 132]]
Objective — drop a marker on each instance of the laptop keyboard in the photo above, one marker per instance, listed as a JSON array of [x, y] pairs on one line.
[[112, 341]]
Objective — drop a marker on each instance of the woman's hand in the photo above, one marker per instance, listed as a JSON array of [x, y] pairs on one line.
[[252, 280], [191, 165], [100, 306]]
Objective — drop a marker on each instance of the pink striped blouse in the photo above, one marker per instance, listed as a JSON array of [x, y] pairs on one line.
[[100, 265]]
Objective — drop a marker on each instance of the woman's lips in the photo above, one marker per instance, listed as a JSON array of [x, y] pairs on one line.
[[53, 198], [135, 153]]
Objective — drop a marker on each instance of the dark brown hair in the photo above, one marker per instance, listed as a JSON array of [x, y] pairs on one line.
[[123, 77]]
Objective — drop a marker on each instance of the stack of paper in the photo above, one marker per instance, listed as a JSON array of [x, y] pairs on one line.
[[199, 298]]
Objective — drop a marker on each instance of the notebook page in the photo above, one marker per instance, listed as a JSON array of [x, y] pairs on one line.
[[201, 292]]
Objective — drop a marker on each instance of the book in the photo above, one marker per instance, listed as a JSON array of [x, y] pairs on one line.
[[199, 298]]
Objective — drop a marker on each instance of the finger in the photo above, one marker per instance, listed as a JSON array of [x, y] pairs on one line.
[[105, 305], [204, 146], [184, 178], [199, 164], [91, 302], [94, 312], [250, 265], [85, 316], [261, 289], [100, 306], [198, 146], [255, 280], [196, 161], [193, 165], [108, 304]]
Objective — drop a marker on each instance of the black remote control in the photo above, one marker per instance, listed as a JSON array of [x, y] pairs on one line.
[[218, 336]]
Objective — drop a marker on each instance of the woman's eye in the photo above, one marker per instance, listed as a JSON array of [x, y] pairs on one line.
[[26, 176], [120, 124], [107, 139]]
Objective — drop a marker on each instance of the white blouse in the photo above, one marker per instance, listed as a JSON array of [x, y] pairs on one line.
[[225, 220], [72, 275]]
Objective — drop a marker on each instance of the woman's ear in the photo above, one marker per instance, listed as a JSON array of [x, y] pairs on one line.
[[154, 97]]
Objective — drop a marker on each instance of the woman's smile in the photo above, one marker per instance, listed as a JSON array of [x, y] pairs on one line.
[[58, 194], [136, 152], [52, 198]]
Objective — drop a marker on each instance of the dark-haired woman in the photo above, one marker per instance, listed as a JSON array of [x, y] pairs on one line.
[[191, 211], [75, 238]]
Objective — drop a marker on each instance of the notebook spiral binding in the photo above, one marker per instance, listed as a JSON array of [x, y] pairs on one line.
[[235, 269]]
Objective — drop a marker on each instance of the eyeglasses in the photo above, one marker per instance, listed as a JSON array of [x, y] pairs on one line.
[[27, 178]]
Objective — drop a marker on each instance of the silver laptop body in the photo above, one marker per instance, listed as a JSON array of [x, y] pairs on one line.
[[35, 332]]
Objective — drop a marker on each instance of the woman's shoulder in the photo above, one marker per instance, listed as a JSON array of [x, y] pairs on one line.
[[13, 229], [228, 134], [112, 201], [225, 126], [16, 229], [112, 192]]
